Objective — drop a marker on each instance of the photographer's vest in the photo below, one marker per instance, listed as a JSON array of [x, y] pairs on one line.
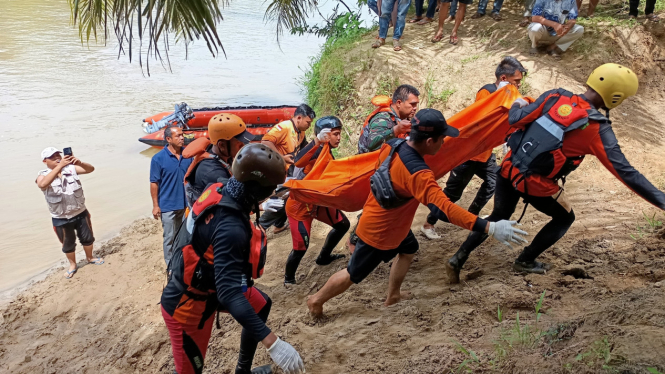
[[64, 195]]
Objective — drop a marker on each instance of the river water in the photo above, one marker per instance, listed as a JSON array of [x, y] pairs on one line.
[[54, 91]]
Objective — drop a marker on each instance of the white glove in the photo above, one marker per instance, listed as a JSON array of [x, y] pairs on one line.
[[286, 357], [521, 102], [324, 135], [503, 84], [503, 231], [272, 205]]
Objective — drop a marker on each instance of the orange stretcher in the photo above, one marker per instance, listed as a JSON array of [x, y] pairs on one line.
[[344, 183]]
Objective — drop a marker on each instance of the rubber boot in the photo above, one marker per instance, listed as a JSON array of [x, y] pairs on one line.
[[265, 369], [292, 264], [334, 237], [535, 267], [455, 264]]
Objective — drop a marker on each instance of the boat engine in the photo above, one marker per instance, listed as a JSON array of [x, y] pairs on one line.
[[180, 116]]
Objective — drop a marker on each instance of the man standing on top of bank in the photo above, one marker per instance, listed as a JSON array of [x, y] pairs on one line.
[[553, 135], [400, 184], [287, 138], [509, 71], [64, 195], [167, 172]]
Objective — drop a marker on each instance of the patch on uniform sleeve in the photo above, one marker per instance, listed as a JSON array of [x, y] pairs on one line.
[[565, 110], [204, 196]]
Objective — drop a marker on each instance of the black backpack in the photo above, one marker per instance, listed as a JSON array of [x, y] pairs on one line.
[[381, 185]]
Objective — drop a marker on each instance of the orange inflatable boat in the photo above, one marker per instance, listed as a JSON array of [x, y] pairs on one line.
[[259, 119]]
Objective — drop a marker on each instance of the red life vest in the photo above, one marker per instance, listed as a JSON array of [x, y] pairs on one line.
[[538, 148], [195, 266]]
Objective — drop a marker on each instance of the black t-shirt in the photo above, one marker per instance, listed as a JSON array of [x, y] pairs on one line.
[[207, 172]]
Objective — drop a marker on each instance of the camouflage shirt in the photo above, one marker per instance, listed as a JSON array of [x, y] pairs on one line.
[[378, 131]]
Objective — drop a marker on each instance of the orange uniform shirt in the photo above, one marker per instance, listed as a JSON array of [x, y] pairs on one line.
[[411, 177], [306, 160], [286, 137]]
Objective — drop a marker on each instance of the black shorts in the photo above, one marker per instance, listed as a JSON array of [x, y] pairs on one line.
[[366, 258], [467, 2], [68, 229]]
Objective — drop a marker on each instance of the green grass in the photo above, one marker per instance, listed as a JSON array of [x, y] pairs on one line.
[[653, 225], [386, 85], [328, 82], [525, 87]]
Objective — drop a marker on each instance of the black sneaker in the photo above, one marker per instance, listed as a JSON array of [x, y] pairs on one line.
[[323, 261], [535, 267]]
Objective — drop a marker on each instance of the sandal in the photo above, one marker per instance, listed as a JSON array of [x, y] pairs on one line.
[[379, 42], [96, 261], [424, 21], [477, 15], [415, 19], [496, 17], [555, 53], [397, 45], [69, 274], [436, 38], [533, 51], [653, 18], [525, 22], [453, 40]]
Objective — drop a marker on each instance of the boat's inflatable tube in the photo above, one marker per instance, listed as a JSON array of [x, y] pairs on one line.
[[259, 120], [344, 184]]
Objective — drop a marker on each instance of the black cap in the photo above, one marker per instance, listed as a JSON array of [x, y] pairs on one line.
[[431, 121], [245, 137]]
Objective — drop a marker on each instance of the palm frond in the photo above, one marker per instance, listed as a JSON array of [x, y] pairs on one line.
[[189, 20], [289, 14]]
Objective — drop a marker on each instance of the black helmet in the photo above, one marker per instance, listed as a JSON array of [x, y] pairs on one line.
[[327, 122], [256, 162]]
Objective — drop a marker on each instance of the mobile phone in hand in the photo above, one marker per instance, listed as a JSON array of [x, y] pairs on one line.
[[67, 151]]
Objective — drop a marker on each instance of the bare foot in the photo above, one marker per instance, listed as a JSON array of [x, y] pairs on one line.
[[315, 310], [72, 270], [394, 299]]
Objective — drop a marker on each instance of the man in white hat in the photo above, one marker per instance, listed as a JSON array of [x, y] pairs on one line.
[[64, 197]]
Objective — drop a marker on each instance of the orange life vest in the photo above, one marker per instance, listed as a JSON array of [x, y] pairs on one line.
[[382, 103]]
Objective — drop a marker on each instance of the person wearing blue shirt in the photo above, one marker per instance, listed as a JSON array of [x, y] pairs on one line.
[[167, 174], [553, 24]]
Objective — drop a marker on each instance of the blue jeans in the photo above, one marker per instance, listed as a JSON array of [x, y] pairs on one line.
[[384, 21], [453, 8], [431, 7], [371, 4], [482, 6]]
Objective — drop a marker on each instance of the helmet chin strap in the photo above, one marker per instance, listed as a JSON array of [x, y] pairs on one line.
[[607, 113]]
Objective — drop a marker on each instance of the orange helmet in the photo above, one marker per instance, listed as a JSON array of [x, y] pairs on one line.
[[225, 126]]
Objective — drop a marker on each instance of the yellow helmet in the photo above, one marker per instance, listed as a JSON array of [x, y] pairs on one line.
[[614, 83], [225, 126]]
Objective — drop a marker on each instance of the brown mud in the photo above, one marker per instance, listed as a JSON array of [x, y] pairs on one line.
[[604, 304]]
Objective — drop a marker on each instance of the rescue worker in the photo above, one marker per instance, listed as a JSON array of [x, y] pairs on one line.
[[328, 130], [228, 134], [554, 134], [387, 122], [509, 71], [218, 253], [287, 138], [401, 183]]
